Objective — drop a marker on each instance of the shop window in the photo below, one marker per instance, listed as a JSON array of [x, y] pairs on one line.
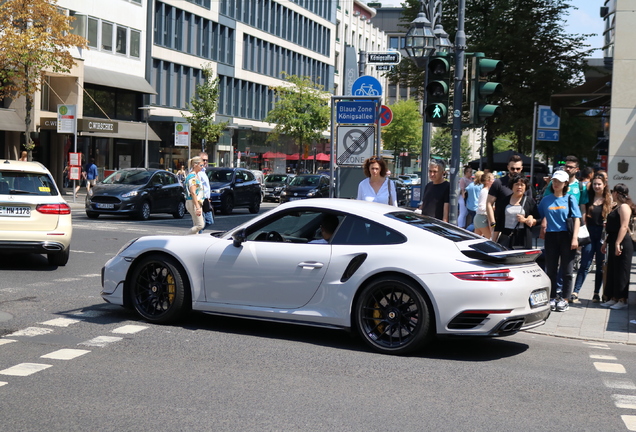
[[92, 34]]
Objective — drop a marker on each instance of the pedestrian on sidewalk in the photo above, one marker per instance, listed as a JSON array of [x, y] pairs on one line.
[[595, 211], [483, 225], [194, 200], [560, 243], [619, 248], [208, 210], [515, 219]]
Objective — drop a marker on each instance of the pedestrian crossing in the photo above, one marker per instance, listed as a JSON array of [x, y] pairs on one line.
[[32, 366]]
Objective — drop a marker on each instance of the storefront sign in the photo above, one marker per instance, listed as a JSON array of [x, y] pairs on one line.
[[182, 134], [92, 125], [48, 123], [66, 119]]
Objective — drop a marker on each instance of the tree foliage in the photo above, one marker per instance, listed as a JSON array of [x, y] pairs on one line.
[[203, 107], [35, 37], [442, 144], [540, 58], [404, 133], [301, 111]]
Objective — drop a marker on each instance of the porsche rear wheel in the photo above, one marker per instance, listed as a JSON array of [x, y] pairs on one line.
[[392, 316], [158, 291]]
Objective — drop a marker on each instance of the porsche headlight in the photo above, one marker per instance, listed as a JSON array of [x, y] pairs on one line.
[[130, 194], [126, 246]]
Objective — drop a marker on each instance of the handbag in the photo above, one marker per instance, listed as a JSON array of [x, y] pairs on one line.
[[584, 236], [206, 206]]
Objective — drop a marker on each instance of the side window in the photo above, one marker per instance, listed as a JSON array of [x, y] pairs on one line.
[[248, 176], [294, 227], [358, 231], [156, 179]]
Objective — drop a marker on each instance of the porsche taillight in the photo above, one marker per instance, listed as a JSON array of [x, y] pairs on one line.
[[501, 275]]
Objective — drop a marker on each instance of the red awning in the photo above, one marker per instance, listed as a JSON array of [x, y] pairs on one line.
[[272, 155]]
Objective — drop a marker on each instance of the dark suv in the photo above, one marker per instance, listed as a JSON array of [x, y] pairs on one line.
[[234, 187], [306, 186]]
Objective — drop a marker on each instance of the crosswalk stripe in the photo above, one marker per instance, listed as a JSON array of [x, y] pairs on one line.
[[100, 341], [630, 422], [31, 331], [3, 383], [65, 354], [610, 367], [129, 329], [602, 357], [6, 341], [61, 322], [24, 369], [619, 384], [624, 401]]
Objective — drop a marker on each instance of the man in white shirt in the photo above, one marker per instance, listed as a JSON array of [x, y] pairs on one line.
[[205, 182]]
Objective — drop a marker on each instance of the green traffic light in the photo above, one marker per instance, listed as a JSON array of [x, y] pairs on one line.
[[437, 113]]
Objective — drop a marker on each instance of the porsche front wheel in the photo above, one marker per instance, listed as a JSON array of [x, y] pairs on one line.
[[158, 291], [392, 316]]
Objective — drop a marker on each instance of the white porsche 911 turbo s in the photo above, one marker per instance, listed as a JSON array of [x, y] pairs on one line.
[[394, 276]]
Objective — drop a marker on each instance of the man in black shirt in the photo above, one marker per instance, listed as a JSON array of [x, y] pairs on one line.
[[436, 196]]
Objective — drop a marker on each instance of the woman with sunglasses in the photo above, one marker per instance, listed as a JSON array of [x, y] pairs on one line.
[[619, 248], [377, 187], [596, 210], [194, 195]]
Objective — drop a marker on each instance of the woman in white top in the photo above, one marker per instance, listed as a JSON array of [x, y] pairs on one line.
[[376, 186], [482, 226]]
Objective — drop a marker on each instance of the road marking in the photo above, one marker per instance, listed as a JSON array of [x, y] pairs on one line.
[[619, 384], [61, 322], [24, 369], [6, 341], [602, 357], [84, 252], [630, 422], [3, 383], [65, 354], [31, 331], [609, 367], [89, 314], [624, 401], [129, 329], [100, 341], [66, 280], [595, 344]]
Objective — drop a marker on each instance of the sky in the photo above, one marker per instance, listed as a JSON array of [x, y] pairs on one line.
[[584, 20]]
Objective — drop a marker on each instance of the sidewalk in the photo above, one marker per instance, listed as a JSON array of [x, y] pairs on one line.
[[590, 321], [78, 205]]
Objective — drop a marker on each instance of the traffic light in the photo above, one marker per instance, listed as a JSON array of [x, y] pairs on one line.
[[481, 88], [438, 79]]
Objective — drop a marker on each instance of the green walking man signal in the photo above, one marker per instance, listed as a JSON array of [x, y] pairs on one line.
[[438, 80]]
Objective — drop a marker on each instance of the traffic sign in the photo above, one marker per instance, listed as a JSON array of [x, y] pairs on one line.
[[366, 85], [383, 67], [547, 135], [547, 118], [386, 116], [354, 144], [386, 57], [357, 112]]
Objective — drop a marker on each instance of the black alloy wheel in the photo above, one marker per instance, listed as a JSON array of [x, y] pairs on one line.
[[255, 205], [392, 316], [157, 290], [180, 210], [227, 204]]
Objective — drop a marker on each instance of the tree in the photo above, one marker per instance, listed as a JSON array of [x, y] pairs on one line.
[[35, 37], [404, 133], [203, 106], [540, 58], [301, 111], [442, 143]]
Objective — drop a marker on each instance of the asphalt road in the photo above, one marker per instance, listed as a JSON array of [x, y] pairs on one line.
[[101, 368]]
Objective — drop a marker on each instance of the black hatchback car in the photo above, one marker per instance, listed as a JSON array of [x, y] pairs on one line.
[[234, 187], [137, 192], [306, 186]]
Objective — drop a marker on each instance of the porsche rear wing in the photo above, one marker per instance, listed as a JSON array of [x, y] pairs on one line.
[[520, 256]]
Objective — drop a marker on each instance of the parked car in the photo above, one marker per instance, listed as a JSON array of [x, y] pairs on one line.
[[407, 180], [415, 178], [274, 185], [137, 192], [34, 217], [402, 191], [231, 188], [306, 186], [395, 277]]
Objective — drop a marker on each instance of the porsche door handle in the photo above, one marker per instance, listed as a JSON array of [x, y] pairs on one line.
[[310, 265]]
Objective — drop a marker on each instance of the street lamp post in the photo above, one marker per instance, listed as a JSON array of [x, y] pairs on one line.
[[146, 110]]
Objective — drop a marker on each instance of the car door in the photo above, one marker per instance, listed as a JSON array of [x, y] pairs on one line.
[[158, 192], [263, 273]]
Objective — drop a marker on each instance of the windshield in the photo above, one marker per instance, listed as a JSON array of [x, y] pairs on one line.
[[128, 177], [305, 181], [220, 175], [275, 178]]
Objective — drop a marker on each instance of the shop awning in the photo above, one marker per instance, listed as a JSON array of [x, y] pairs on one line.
[[117, 80], [594, 94], [127, 130], [10, 121]]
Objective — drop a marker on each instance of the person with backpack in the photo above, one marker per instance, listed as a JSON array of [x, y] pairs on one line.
[[619, 248]]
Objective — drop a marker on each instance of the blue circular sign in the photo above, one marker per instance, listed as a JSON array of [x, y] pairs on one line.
[[366, 85]]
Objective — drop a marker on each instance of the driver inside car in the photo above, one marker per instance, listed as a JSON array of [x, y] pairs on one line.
[[327, 227]]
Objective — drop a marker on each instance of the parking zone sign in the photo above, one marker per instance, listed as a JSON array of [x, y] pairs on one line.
[[355, 144]]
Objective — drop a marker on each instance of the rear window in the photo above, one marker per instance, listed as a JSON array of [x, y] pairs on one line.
[[435, 226], [24, 183]]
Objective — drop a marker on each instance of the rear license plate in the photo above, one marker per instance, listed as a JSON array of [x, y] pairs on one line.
[[15, 211], [539, 298], [106, 206]]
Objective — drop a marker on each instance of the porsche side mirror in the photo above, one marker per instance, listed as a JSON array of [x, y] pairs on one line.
[[239, 237]]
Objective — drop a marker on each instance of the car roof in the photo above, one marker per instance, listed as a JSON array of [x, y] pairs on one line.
[[359, 207], [14, 165]]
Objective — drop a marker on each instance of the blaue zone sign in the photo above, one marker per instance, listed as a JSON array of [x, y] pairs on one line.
[[357, 112]]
